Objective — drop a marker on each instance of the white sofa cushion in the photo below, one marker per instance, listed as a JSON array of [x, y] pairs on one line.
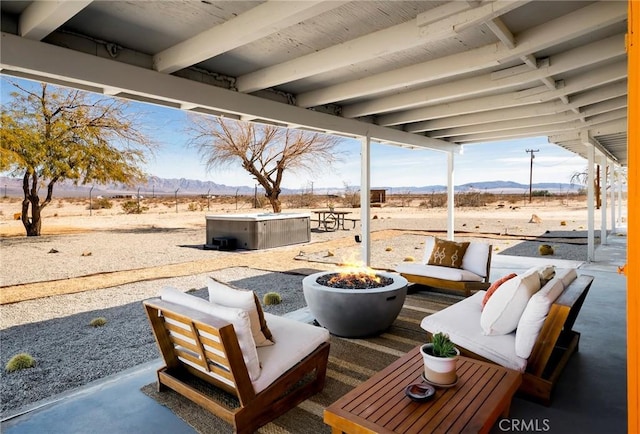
[[504, 308], [294, 341], [238, 317], [476, 258], [446, 273], [228, 296], [461, 321], [429, 243], [534, 315]]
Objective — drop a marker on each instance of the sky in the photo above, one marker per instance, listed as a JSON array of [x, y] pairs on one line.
[[391, 166]]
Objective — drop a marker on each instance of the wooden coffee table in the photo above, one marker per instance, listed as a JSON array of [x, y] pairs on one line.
[[379, 405]]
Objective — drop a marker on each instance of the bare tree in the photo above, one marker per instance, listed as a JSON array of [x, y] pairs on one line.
[[265, 151], [583, 178]]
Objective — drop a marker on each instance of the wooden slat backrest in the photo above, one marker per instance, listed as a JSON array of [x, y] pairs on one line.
[[229, 363], [561, 317]]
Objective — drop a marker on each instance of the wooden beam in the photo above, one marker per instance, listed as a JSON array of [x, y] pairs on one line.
[[256, 23], [567, 27], [43, 17], [49, 62]]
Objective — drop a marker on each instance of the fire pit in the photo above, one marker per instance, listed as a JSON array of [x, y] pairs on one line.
[[355, 304]]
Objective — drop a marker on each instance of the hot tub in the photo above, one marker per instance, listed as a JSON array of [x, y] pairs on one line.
[[260, 231]]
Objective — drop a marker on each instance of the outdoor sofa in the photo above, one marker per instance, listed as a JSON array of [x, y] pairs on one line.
[[471, 273], [524, 326]]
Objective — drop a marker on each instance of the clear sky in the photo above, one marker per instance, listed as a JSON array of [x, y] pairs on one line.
[[391, 166]]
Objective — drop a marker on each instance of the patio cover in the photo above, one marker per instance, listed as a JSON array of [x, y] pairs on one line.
[[420, 74]]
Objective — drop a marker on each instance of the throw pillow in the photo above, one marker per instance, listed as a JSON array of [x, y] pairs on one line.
[[494, 286], [448, 253], [238, 317], [502, 312], [546, 273], [226, 295], [534, 315]]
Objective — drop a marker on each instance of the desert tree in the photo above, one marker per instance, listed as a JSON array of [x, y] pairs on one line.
[[265, 151], [51, 134]]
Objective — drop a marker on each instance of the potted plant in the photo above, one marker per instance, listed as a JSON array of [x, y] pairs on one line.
[[440, 360]]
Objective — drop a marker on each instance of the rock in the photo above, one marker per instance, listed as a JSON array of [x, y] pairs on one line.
[[53, 251], [563, 223], [409, 259], [86, 253], [535, 219]]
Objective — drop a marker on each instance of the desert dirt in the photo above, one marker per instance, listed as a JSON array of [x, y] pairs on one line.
[[83, 250]]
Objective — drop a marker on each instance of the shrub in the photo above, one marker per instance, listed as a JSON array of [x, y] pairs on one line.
[[132, 207], [194, 206], [101, 203], [98, 322], [271, 298], [545, 249], [20, 361]]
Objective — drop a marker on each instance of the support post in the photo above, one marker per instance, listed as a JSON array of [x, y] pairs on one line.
[[633, 224], [590, 202], [612, 182], [603, 200], [450, 196], [365, 199]]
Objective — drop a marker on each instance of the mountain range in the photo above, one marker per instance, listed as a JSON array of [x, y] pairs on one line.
[[184, 187]]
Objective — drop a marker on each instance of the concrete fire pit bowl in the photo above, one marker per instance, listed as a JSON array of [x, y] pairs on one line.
[[355, 313]]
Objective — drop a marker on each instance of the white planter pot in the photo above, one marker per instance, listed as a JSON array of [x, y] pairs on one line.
[[439, 370]]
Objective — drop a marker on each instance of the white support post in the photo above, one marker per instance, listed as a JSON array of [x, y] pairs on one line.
[[612, 183], [450, 196], [365, 199], [603, 200], [620, 199], [590, 203]]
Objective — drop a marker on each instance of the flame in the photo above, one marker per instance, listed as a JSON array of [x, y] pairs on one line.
[[355, 271]]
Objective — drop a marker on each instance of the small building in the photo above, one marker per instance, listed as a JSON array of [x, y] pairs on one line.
[[378, 195]]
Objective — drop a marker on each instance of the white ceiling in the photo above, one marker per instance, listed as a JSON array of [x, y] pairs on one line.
[[432, 74]]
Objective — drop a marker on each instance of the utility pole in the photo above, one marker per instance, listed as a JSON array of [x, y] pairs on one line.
[[531, 151]]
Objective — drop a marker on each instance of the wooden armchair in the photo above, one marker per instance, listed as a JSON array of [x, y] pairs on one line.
[[197, 345]]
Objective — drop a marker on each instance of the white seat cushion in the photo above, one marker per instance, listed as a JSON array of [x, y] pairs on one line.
[[294, 341], [238, 317], [461, 321], [504, 308], [534, 315], [435, 271]]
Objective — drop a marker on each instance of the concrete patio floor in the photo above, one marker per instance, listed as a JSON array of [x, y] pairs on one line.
[[590, 396]]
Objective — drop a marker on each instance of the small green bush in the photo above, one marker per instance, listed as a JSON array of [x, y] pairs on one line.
[[132, 207], [98, 322], [272, 298], [20, 361], [101, 203], [545, 249]]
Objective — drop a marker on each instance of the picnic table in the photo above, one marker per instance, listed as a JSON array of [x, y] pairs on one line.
[[331, 219]]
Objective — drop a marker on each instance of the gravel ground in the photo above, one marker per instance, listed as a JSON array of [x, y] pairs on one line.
[[125, 341]]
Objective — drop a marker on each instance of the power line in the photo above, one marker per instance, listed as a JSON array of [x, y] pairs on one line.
[[531, 151]]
